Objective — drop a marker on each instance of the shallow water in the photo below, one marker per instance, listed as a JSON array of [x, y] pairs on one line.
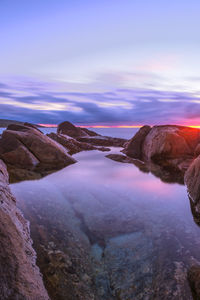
[[133, 234]]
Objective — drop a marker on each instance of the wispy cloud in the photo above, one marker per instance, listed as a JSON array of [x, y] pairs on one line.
[[47, 103]]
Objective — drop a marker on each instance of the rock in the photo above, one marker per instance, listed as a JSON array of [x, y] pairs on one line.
[[103, 141], [170, 146], [26, 148], [85, 135], [192, 180], [197, 150], [72, 145], [134, 147], [120, 158], [32, 126], [194, 280], [167, 142], [19, 276], [163, 142], [90, 132], [69, 129]]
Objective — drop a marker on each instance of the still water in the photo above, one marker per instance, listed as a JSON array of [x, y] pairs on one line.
[[124, 234], [125, 133]]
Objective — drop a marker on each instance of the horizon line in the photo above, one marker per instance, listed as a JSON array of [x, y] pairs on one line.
[[114, 126]]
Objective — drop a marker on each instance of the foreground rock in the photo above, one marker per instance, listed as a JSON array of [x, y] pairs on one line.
[[29, 154], [19, 276]]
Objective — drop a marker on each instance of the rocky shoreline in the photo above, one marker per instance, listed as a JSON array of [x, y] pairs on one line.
[[19, 276], [170, 152], [25, 154]]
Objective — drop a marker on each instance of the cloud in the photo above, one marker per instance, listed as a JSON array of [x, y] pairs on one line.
[[47, 104]]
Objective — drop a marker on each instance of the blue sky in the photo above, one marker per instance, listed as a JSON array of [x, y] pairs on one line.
[[112, 62]]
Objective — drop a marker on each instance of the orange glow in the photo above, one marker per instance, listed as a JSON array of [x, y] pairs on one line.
[[112, 126], [48, 125], [96, 126], [195, 126]]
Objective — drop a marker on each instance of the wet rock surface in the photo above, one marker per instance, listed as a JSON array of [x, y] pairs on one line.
[[19, 276]]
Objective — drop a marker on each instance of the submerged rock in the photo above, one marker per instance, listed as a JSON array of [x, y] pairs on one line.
[[19, 276], [30, 154]]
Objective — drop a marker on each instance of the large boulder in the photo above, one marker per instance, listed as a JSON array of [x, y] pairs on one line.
[[163, 142], [85, 135], [19, 276], [168, 145], [169, 142], [26, 148], [69, 129], [134, 147]]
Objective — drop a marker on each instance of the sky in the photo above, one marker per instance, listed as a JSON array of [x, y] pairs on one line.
[[116, 62]]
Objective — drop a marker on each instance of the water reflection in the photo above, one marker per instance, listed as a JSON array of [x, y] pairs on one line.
[[106, 230]]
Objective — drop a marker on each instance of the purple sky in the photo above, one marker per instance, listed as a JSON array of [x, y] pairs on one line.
[[113, 62]]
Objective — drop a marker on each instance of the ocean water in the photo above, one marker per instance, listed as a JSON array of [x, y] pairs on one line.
[[125, 133], [127, 234]]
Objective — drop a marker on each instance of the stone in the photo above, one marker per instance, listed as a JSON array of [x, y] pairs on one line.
[[26, 148], [69, 129], [85, 135], [134, 147], [165, 142], [192, 180], [72, 145], [19, 276], [103, 141], [194, 280]]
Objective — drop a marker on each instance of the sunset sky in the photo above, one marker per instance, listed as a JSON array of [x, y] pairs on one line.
[[100, 62]]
